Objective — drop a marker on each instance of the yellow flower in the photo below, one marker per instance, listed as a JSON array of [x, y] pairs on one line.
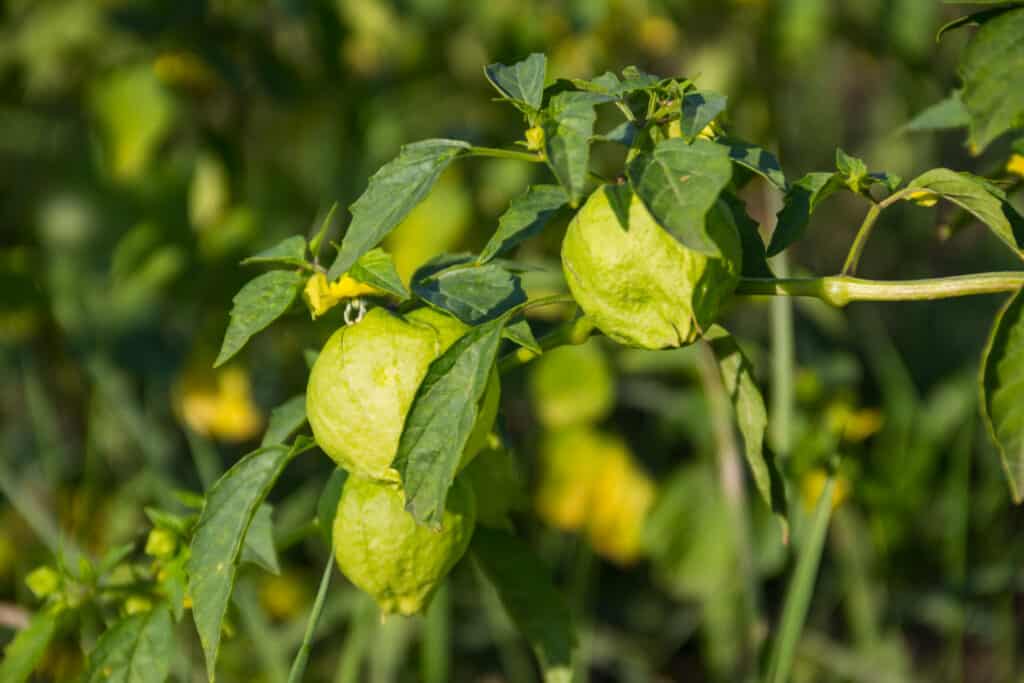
[[322, 296], [924, 198], [854, 425], [1016, 165], [284, 596], [224, 410], [813, 483]]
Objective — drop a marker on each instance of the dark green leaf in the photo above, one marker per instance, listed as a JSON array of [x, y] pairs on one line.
[[699, 108], [1002, 390], [259, 541], [285, 420], [536, 607], [992, 69], [135, 650], [976, 18], [755, 263], [523, 82], [441, 419], [802, 198], [473, 294], [623, 134], [520, 333], [758, 160], [679, 183], [751, 417], [260, 302], [979, 197], [290, 251], [526, 216], [567, 129], [943, 115], [23, 654], [392, 193], [376, 268], [327, 505], [220, 535]]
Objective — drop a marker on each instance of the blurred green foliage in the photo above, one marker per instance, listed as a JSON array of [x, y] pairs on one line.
[[146, 147]]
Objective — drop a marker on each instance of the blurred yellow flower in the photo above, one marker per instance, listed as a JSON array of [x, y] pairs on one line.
[[284, 596], [813, 483], [322, 296], [1016, 165], [223, 409], [590, 481], [854, 425]]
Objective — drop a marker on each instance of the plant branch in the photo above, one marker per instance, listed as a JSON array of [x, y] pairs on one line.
[[572, 332], [505, 154], [839, 290], [864, 232]]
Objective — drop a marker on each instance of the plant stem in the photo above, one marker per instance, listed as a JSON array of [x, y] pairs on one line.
[[505, 154], [864, 232], [839, 290], [783, 367], [572, 332], [298, 670]]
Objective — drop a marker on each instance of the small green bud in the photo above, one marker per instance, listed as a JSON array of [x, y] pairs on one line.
[[161, 543], [535, 139], [137, 604], [43, 581]]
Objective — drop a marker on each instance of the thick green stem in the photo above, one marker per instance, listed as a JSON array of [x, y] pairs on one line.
[[531, 157], [839, 290]]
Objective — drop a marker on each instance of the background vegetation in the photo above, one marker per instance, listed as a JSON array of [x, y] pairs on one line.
[[147, 147]]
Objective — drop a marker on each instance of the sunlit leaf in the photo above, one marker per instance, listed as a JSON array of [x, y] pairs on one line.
[[473, 294], [992, 69], [290, 251], [135, 650], [526, 216], [567, 130], [260, 302], [522, 82]]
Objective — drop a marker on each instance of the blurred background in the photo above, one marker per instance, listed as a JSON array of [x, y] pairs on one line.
[[147, 147]]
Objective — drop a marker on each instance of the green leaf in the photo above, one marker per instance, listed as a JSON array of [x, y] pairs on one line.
[[259, 541], [523, 82], [135, 650], [441, 419], [758, 160], [318, 238], [290, 251], [992, 70], [377, 268], [679, 183], [526, 216], [1002, 390], [698, 109], [802, 198], [853, 170], [24, 653], [536, 607], [755, 263], [520, 333], [976, 18], [751, 417], [473, 294], [982, 199], [392, 193], [943, 115], [622, 134], [327, 505], [285, 420], [567, 129], [260, 302], [173, 583], [219, 537]]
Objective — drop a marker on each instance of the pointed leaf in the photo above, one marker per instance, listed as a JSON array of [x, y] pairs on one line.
[[220, 535], [23, 654], [135, 650], [285, 420], [473, 294], [679, 183], [567, 130], [523, 82], [526, 216], [751, 417], [979, 197], [290, 251], [441, 419], [943, 115], [699, 108], [1002, 390], [260, 302], [259, 541], [525, 588], [755, 263], [992, 70], [758, 160], [802, 198], [377, 268], [520, 333], [392, 193]]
